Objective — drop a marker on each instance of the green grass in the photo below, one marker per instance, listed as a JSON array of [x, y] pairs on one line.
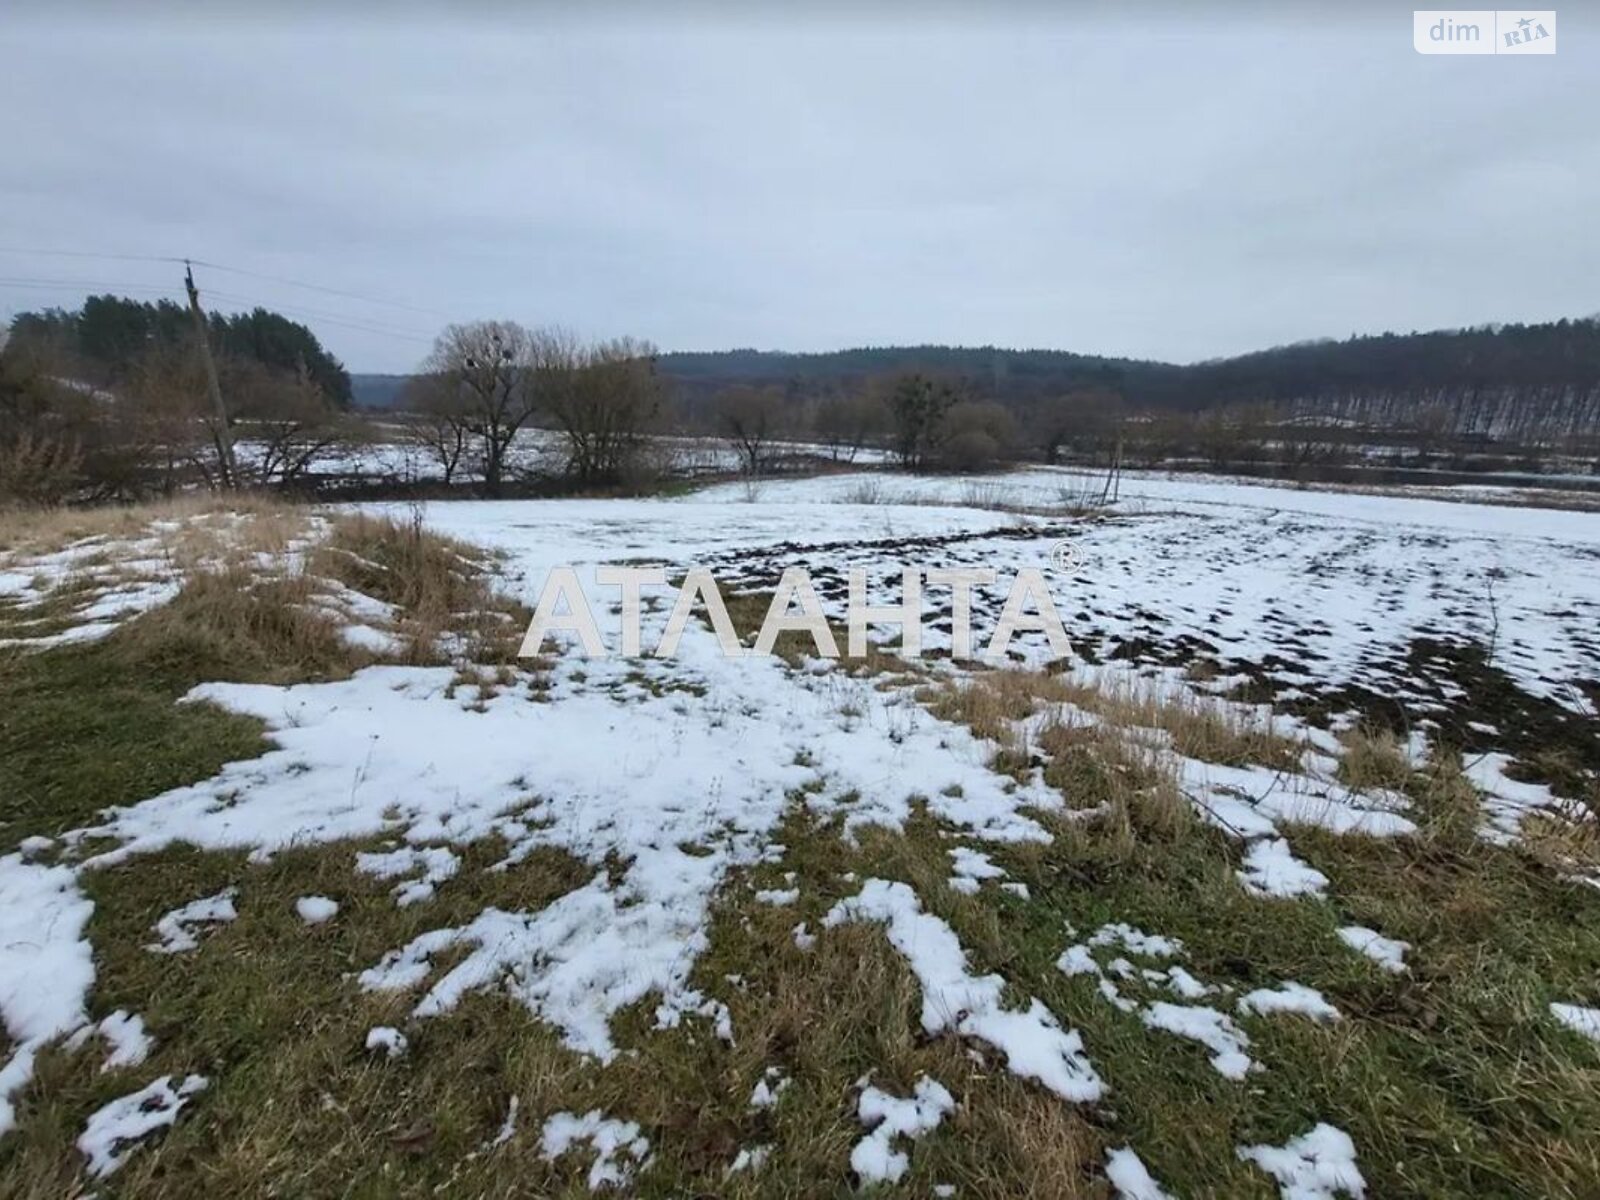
[[81, 730]]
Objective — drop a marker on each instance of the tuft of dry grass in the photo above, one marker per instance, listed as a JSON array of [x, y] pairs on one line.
[[1373, 758], [1091, 765], [441, 587], [992, 703], [234, 623], [1446, 805], [1200, 727]]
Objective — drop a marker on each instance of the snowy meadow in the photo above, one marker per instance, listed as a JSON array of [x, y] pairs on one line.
[[1285, 882]]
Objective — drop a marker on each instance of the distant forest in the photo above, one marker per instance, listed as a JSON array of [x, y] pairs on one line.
[[109, 337], [1501, 380]]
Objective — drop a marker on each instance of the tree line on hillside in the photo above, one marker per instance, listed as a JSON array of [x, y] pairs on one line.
[[1522, 383], [111, 401], [107, 340]]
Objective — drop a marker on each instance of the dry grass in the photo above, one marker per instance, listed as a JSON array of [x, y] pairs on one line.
[[1451, 1078], [235, 623], [991, 703], [257, 582], [1446, 806], [1569, 846], [1373, 758], [45, 530], [441, 587], [266, 1009], [1093, 765], [1200, 727]]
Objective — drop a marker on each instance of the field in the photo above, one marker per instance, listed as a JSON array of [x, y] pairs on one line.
[[1286, 882]]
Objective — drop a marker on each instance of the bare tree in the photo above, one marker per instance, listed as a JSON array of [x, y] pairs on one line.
[[170, 412], [846, 424], [440, 429], [749, 418], [492, 368], [603, 399], [1087, 421], [284, 420]]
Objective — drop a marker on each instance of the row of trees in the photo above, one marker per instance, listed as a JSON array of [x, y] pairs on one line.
[[924, 420], [929, 422], [484, 382], [1535, 384], [112, 402], [142, 422]]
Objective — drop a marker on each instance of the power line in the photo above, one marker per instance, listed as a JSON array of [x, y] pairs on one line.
[[215, 266], [89, 254], [89, 286], [86, 285], [430, 312], [326, 318]]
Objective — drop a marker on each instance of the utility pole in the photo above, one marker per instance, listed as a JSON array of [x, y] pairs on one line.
[[224, 434]]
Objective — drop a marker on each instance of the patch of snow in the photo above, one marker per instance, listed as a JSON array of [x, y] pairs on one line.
[[1136, 941], [1271, 869], [1507, 802], [314, 910], [508, 1127], [124, 1032], [390, 1040], [1254, 801], [619, 1150], [1318, 1165], [769, 1087], [970, 868], [365, 637], [1212, 1029], [670, 1013], [46, 966], [114, 1131], [1289, 997], [1185, 984], [177, 928], [1130, 1178], [435, 864], [1578, 1018], [778, 896], [1386, 952], [750, 1158], [890, 1118], [1032, 1040]]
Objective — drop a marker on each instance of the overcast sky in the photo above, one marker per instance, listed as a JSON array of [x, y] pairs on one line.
[[1181, 185]]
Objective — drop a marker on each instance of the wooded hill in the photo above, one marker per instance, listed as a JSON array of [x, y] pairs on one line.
[[1489, 379], [106, 340]]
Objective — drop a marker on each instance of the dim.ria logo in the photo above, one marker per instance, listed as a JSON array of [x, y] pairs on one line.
[[795, 608]]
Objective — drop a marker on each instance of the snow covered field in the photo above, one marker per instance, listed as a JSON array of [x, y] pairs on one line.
[[675, 788], [398, 456]]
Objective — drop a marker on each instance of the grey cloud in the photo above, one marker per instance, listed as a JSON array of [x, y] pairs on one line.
[[1180, 184]]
